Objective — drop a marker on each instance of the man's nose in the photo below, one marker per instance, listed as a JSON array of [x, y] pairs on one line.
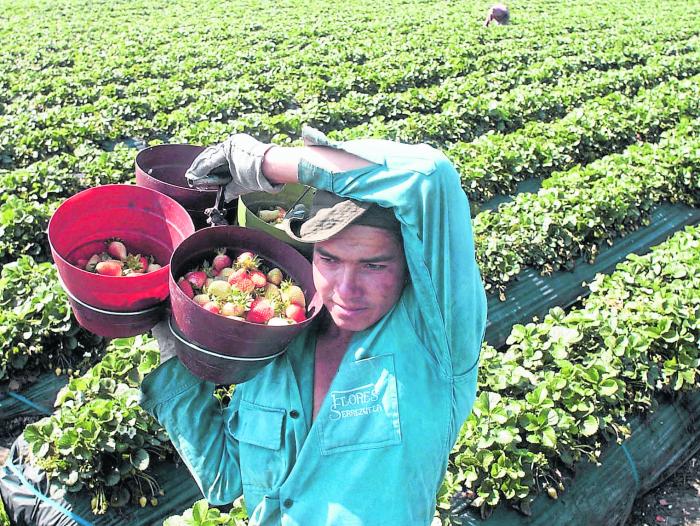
[[348, 284]]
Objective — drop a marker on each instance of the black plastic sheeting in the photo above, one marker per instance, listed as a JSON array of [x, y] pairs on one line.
[[35, 400], [533, 295], [603, 495]]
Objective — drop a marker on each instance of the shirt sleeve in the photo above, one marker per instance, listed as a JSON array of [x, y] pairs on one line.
[[447, 296], [198, 428]]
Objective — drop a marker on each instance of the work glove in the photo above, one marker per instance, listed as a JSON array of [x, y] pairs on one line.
[[236, 164], [166, 341]]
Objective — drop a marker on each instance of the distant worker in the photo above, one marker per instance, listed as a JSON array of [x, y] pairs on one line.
[[499, 14]]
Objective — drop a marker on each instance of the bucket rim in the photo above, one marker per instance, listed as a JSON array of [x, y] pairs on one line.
[[217, 355], [160, 181]]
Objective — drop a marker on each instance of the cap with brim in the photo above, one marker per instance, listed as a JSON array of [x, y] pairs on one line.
[[331, 213]]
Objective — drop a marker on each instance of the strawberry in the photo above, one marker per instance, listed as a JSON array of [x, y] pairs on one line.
[[295, 312], [275, 276], [81, 263], [197, 278], [258, 278], [92, 262], [241, 280], [221, 260], [116, 249], [109, 268], [225, 272], [186, 287], [277, 321], [247, 260], [137, 264], [293, 294], [211, 306], [271, 292], [232, 309], [219, 288], [261, 311], [201, 299]]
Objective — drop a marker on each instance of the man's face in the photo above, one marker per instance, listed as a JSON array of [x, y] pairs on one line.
[[360, 274]]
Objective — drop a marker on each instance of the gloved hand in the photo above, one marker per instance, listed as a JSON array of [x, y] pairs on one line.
[[235, 163], [166, 340]]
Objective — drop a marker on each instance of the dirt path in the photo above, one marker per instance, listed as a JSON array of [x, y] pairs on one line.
[[676, 502]]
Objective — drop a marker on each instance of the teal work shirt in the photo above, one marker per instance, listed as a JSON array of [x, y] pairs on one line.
[[378, 449]]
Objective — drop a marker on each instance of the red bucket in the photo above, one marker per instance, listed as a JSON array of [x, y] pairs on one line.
[[163, 168], [148, 222], [221, 349]]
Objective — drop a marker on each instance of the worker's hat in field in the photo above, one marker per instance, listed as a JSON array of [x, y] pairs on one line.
[[331, 213]]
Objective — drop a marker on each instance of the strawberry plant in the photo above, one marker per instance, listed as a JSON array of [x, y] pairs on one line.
[[99, 440], [565, 387], [37, 331], [201, 514]]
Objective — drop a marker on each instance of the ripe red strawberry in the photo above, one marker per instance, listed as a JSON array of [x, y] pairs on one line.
[[110, 267], [258, 278], [186, 287], [221, 260], [295, 312], [196, 278], [261, 311], [81, 263], [211, 306], [241, 280], [116, 249]]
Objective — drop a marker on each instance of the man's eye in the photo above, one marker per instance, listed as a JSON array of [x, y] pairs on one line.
[[326, 259], [375, 266]]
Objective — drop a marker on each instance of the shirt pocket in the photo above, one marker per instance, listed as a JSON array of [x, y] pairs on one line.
[[259, 431], [361, 408]]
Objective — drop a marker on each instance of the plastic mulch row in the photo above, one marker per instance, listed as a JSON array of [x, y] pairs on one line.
[[660, 442], [533, 295]]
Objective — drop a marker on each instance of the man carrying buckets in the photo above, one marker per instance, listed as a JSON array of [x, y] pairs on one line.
[[354, 424]]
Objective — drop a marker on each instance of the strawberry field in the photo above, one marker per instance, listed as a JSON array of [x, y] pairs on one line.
[[576, 132]]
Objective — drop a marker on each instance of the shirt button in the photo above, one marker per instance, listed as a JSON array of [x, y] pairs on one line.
[[294, 414], [288, 503]]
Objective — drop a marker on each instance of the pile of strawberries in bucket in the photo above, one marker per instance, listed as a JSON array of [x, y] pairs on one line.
[[246, 288], [116, 261]]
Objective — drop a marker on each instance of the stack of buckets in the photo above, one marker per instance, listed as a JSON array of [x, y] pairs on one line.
[[158, 217]]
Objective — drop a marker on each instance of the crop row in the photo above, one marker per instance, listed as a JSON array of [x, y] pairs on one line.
[[353, 107], [47, 123], [33, 130], [494, 163], [565, 387], [595, 204], [489, 166], [359, 60], [464, 120], [37, 329]]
